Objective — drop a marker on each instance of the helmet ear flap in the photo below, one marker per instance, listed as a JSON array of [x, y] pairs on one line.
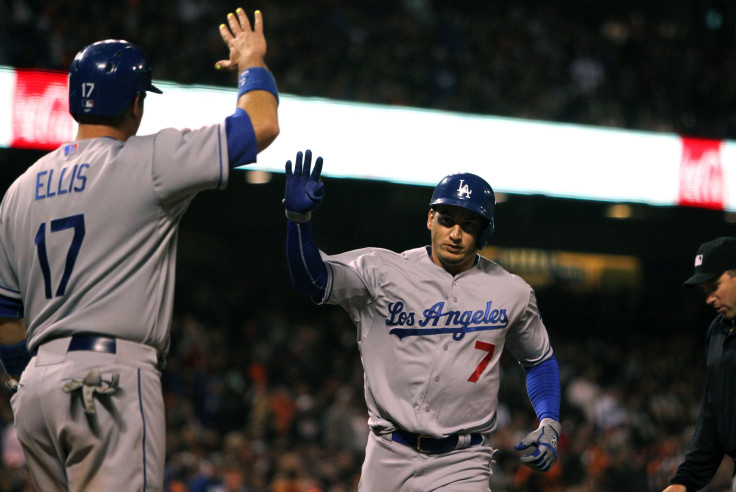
[[486, 234]]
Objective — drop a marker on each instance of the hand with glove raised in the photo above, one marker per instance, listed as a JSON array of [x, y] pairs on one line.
[[542, 445], [304, 191]]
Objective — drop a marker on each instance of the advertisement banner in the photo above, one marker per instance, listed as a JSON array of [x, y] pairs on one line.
[[416, 146], [40, 110]]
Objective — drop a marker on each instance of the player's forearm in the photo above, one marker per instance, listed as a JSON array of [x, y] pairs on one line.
[[261, 106], [543, 387], [306, 268], [258, 96]]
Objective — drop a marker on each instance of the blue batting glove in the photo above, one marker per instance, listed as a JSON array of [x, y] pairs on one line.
[[304, 191], [543, 445]]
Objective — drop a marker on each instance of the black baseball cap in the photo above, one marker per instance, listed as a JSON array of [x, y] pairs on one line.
[[713, 258]]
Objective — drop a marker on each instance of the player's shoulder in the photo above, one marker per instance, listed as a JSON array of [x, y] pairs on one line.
[[68, 154], [76, 151], [363, 254], [491, 268], [171, 134], [46, 160], [416, 254]]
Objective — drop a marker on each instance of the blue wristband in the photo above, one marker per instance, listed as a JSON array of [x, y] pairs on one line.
[[257, 79]]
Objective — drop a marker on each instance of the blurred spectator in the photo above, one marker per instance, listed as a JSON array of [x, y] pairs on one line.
[[271, 401], [632, 65]]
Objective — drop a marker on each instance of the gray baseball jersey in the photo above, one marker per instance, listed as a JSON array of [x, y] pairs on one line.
[[88, 245], [88, 233], [430, 342]]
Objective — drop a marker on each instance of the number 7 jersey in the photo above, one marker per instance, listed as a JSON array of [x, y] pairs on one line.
[[431, 342], [88, 233]]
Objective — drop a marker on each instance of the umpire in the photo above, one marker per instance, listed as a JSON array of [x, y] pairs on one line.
[[715, 434]]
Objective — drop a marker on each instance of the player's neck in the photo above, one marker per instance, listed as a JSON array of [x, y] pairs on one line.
[[87, 131]]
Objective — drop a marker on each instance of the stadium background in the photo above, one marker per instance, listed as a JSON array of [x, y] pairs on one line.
[[264, 390]]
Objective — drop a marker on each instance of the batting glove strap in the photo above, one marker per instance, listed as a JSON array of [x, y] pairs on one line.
[[297, 217], [257, 79], [542, 444]]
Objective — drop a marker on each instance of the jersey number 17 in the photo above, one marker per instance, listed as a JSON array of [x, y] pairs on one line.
[[75, 222]]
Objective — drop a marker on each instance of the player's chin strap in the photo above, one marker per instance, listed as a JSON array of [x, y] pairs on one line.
[[91, 384]]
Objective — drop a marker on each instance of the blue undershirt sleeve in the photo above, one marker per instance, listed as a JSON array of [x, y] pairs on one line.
[[543, 387], [242, 147], [306, 268]]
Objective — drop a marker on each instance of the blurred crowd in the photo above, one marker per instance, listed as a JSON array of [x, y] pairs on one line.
[[628, 64], [268, 397], [270, 400]]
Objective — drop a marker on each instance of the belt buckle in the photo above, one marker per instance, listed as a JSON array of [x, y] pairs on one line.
[[419, 443]]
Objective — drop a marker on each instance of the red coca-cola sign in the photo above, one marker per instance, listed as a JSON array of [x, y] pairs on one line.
[[41, 118], [701, 174]]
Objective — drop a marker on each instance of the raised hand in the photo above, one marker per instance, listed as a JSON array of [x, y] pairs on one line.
[[247, 45], [304, 191]]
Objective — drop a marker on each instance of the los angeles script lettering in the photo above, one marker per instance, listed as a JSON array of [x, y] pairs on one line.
[[433, 315]]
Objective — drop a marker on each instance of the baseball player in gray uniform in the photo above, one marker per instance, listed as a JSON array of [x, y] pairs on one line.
[[432, 324], [87, 257]]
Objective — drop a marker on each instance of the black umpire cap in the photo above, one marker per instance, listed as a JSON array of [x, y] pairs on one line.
[[713, 258]]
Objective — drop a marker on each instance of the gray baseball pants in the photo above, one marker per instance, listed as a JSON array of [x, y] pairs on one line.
[[121, 446]]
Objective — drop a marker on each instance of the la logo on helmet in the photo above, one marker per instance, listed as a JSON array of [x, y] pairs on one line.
[[463, 191]]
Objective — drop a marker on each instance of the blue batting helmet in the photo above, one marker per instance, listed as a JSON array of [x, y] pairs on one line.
[[105, 76], [471, 192]]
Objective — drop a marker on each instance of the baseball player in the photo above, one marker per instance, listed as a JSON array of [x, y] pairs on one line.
[[432, 324], [87, 257]]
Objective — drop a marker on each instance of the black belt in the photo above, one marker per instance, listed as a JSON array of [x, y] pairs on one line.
[[430, 445], [92, 343]]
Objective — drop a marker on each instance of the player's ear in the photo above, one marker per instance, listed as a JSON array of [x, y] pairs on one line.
[[430, 216], [138, 105], [134, 112]]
